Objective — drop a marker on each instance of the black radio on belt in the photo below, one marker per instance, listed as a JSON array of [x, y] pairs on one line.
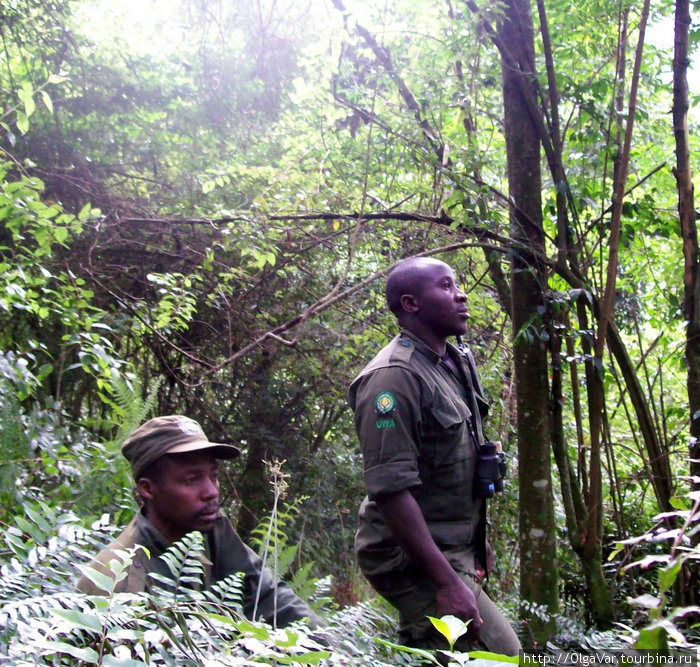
[[491, 468]]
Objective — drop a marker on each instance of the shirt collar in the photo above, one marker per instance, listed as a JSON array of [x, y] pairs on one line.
[[150, 532], [428, 351]]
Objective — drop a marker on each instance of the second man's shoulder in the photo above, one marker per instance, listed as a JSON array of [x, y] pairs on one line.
[[394, 368], [398, 352]]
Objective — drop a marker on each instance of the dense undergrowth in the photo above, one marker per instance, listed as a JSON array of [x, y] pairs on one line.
[[50, 534], [45, 621]]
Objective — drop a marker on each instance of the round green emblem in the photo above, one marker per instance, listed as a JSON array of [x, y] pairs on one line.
[[385, 402]]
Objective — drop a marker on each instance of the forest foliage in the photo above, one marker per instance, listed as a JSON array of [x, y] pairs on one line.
[[198, 207]]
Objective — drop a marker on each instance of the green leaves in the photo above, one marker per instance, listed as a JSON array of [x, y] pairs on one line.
[[652, 639], [104, 582], [47, 100], [179, 626], [79, 620], [410, 650], [210, 128], [22, 122], [185, 562], [27, 94], [662, 620], [450, 627], [32, 283], [178, 300], [668, 575], [86, 654]]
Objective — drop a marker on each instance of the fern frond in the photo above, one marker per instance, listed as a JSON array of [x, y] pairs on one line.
[[285, 557], [184, 560], [275, 527], [228, 592], [133, 409], [28, 608], [303, 583]]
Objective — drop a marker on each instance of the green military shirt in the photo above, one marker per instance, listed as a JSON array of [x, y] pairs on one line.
[[226, 554], [412, 417]]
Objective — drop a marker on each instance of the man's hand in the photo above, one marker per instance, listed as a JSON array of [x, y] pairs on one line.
[[459, 601], [404, 517]]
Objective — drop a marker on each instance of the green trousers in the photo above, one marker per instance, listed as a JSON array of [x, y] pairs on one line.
[[413, 595]]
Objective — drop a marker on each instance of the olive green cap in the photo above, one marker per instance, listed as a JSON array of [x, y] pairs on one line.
[[173, 434]]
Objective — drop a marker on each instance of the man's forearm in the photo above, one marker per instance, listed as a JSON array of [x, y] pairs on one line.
[[452, 596]]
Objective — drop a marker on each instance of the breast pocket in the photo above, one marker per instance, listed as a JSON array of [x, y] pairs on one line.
[[449, 413], [451, 441], [448, 469]]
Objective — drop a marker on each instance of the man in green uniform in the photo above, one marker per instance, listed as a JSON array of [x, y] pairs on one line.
[[418, 409], [175, 468]]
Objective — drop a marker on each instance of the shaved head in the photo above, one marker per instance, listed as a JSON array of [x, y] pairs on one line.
[[407, 277]]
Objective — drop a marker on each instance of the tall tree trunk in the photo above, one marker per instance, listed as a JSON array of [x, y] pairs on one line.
[[686, 212], [539, 580], [691, 276], [593, 547], [575, 492], [544, 122]]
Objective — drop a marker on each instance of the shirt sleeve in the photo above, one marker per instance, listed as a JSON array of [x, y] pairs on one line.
[[387, 420]]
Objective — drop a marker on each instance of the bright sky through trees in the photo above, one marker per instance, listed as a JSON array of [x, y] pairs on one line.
[[144, 26], [154, 27]]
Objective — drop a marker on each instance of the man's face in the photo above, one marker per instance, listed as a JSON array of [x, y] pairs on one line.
[[442, 308], [183, 494]]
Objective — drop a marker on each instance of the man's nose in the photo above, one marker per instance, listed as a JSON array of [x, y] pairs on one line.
[[461, 296], [210, 488]]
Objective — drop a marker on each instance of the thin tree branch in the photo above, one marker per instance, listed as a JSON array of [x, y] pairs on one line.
[[331, 300]]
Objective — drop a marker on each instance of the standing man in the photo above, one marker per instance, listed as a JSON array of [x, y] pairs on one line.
[[176, 470], [418, 407]]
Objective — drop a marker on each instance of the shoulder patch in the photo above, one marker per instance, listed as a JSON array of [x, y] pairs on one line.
[[385, 402]]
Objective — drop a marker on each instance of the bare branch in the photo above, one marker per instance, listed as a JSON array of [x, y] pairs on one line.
[[331, 300]]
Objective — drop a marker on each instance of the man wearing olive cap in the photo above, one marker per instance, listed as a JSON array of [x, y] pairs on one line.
[[175, 468]]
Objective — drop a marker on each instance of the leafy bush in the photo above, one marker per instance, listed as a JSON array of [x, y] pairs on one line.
[[46, 454], [679, 530], [45, 621]]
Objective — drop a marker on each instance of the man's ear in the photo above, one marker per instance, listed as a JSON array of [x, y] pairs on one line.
[[145, 487], [409, 303]]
